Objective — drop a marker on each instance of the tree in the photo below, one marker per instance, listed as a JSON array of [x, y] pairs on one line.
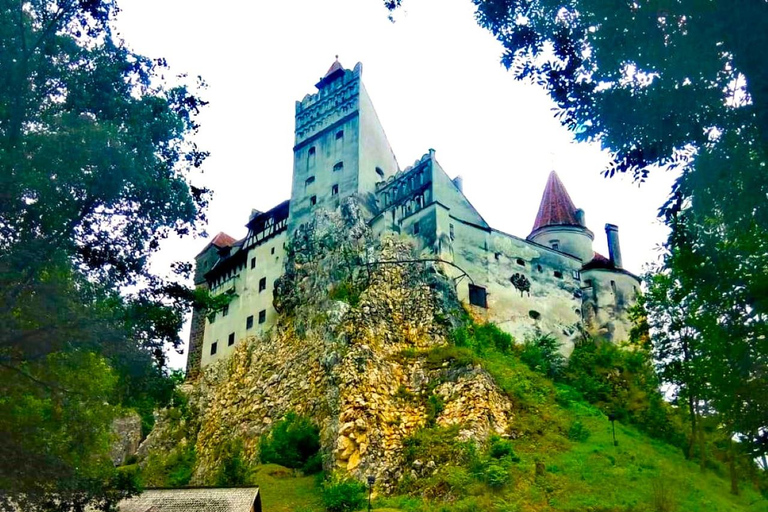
[[95, 158]]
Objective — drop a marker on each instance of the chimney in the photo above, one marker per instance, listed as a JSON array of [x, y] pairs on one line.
[[459, 182], [614, 250]]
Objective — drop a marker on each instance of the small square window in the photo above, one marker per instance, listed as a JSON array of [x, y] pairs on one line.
[[576, 275], [225, 310], [253, 262], [262, 284], [249, 322], [558, 274], [478, 296], [340, 134], [334, 190], [214, 346], [313, 200], [521, 262], [312, 150], [338, 167], [262, 316], [555, 244], [231, 339], [309, 181], [415, 228]]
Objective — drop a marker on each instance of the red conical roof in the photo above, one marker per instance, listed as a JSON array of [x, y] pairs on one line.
[[334, 71], [556, 208]]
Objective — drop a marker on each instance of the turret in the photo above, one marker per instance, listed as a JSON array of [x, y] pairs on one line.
[[559, 224]]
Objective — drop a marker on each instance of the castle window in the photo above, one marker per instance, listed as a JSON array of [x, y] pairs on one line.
[[520, 262], [313, 200], [253, 262], [538, 267], [577, 311], [225, 310], [334, 190], [338, 167], [309, 181], [478, 296], [576, 275], [262, 284], [340, 134], [534, 314], [558, 274], [451, 232], [497, 255], [613, 286], [231, 339], [214, 346], [272, 251], [311, 158], [212, 317], [262, 316], [415, 228], [249, 322], [555, 244], [380, 172]]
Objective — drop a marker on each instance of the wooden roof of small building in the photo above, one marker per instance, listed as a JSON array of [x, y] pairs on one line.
[[234, 499]]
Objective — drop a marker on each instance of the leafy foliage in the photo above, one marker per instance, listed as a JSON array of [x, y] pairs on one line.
[[95, 159], [233, 470], [542, 354], [341, 494], [294, 442]]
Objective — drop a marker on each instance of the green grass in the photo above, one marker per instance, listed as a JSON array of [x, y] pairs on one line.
[[282, 491]]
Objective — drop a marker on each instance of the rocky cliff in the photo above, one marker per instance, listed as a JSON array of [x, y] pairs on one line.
[[360, 320]]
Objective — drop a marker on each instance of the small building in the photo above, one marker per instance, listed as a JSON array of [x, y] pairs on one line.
[[234, 499], [550, 281]]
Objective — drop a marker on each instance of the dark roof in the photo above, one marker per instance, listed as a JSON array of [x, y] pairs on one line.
[[219, 241], [556, 208], [241, 499], [599, 261], [333, 72]]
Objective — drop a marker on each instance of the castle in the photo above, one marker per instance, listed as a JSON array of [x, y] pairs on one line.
[[552, 281]]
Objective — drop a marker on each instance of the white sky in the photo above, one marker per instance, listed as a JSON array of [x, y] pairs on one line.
[[436, 82]]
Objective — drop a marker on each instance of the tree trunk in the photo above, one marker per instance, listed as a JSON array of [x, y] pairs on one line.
[[732, 469]]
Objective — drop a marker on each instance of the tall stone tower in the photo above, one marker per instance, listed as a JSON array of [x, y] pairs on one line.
[[340, 147]]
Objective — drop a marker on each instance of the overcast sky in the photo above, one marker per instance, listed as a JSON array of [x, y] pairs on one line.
[[436, 82]]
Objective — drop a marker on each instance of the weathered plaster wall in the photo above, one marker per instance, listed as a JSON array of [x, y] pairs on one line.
[[608, 297], [269, 259]]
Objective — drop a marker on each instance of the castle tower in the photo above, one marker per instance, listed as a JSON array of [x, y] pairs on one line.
[[340, 147], [559, 224]]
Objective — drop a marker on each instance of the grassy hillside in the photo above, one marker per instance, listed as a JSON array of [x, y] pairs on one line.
[[562, 457]]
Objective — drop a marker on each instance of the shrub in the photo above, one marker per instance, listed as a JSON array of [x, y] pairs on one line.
[[456, 357], [578, 432], [495, 475], [435, 406], [294, 443], [542, 355], [233, 470], [343, 494], [502, 448], [482, 337]]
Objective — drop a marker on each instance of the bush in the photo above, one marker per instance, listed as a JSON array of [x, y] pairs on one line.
[[294, 443], [456, 357], [438, 444], [482, 337], [495, 475], [435, 405], [502, 448], [233, 470], [542, 354], [343, 494], [578, 432]]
